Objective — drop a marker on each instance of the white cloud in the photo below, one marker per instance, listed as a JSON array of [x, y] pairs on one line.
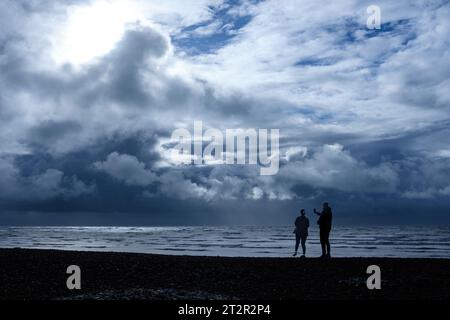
[[293, 153], [126, 168], [208, 29], [334, 168], [175, 185], [445, 191], [427, 194]]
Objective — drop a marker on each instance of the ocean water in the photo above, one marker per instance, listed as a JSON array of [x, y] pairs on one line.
[[233, 241]]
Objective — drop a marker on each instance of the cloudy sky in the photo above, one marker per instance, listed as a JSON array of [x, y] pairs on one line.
[[91, 91]]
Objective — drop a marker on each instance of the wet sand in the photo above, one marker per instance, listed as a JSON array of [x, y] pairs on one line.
[[41, 275]]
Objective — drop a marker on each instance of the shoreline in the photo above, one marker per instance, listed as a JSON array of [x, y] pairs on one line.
[[37, 274], [179, 254]]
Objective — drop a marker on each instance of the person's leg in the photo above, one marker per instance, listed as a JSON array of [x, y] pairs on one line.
[[323, 243], [328, 245], [297, 244], [304, 245]]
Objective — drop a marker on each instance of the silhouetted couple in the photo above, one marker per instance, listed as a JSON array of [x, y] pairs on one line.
[[324, 222]]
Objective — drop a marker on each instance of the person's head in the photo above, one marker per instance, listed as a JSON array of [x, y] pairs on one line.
[[302, 212], [326, 205]]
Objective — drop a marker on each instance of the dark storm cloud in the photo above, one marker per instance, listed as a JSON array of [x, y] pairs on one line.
[[126, 64], [50, 131]]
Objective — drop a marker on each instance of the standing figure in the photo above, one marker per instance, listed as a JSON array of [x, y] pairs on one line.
[[301, 232], [325, 222]]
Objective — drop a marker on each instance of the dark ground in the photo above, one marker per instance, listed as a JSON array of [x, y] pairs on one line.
[[35, 274]]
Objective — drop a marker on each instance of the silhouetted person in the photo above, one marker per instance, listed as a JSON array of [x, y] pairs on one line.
[[301, 232], [325, 222]]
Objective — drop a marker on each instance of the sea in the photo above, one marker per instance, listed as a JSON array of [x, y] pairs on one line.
[[234, 241]]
